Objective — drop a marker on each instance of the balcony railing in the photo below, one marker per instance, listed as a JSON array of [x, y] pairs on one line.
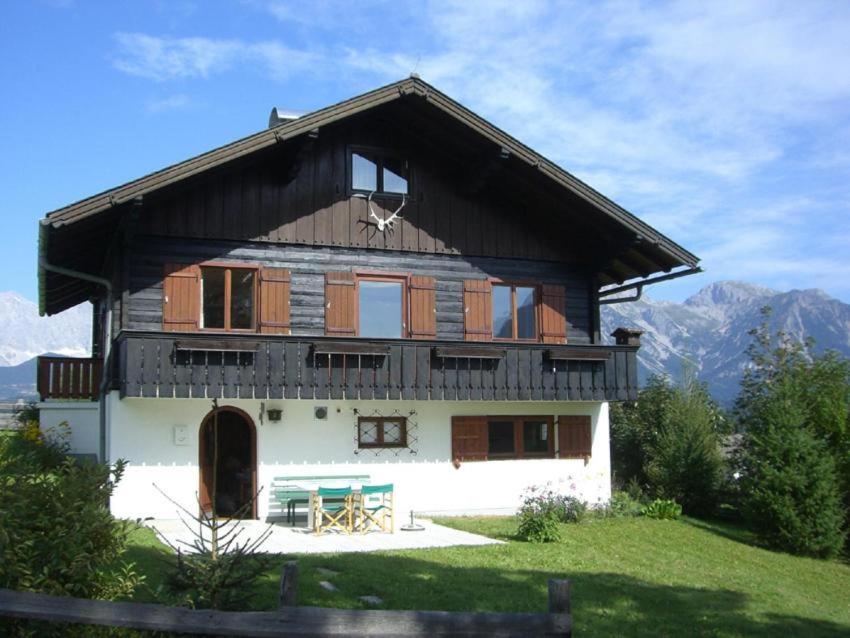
[[272, 367], [69, 378]]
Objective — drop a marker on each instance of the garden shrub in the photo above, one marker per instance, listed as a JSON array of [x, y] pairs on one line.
[[57, 535], [662, 509], [539, 527], [623, 505], [667, 444], [684, 462], [543, 509]]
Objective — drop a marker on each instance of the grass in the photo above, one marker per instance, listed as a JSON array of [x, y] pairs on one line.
[[631, 577]]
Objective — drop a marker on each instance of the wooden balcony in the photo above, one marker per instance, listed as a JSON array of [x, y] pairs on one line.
[[69, 378], [273, 367]]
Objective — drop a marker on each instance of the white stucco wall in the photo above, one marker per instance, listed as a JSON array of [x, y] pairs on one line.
[[83, 424], [142, 432]]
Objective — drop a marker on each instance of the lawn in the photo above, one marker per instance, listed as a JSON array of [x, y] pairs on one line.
[[631, 577]]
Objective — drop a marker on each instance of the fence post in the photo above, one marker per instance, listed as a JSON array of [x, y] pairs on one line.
[[559, 596], [288, 585]]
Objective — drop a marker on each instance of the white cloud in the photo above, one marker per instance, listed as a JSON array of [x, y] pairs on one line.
[[167, 58]]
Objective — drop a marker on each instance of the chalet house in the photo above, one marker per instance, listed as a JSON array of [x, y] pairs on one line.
[[390, 286]]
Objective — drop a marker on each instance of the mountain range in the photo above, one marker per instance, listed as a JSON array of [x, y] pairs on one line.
[[708, 332], [24, 335]]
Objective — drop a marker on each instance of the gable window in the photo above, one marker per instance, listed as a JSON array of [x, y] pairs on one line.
[[378, 172], [514, 312], [381, 307], [228, 298], [381, 431]]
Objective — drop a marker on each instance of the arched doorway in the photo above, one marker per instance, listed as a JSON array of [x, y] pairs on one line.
[[228, 462]]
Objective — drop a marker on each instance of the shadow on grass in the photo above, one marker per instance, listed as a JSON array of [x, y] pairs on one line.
[[731, 531], [602, 603]]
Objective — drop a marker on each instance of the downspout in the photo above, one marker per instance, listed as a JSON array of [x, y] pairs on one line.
[[45, 266]]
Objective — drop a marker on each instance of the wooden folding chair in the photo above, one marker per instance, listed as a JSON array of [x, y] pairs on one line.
[[334, 509], [375, 508]]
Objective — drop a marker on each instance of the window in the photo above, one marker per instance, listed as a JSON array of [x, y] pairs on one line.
[[519, 437], [514, 312], [227, 298], [373, 171], [381, 303], [381, 431]]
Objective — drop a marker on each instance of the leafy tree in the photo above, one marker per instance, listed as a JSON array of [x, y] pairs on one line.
[[789, 487], [668, 443], [793, 408], [634, 427], [684, 461]]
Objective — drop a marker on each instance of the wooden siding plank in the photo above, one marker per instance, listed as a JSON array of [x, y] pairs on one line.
[[408, 372], [230, 380], [291, 370], [463, 383], [475, 389], [512, 360], [352, 376], [423, 372], [523, 374], [367, 376], [276, 370], [261, 371], [337, 365], [150, 367]]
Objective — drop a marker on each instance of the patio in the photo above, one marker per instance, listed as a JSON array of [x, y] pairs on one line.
[[299, 540]]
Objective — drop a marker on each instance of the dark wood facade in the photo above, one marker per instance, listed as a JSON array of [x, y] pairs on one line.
[[141, 307], [156, 365], [479, 212]]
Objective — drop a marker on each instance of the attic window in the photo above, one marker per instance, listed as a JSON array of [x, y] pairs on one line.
[[378, 172]]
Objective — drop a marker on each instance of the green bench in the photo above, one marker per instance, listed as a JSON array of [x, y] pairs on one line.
[[290, 497]]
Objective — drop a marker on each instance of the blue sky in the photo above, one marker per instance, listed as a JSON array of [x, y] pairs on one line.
[[726, 125]]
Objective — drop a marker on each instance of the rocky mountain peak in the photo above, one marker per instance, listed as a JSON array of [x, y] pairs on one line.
[[725, 293]]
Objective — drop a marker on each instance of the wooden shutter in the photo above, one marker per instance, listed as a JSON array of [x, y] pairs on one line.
[[422, 293], [340, 304], [470, 441], [275, 288], [181, 298], [553, 319], [477, 310], [574, 437]]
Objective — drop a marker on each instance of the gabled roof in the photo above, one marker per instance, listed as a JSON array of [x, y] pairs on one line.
[[100, 204]]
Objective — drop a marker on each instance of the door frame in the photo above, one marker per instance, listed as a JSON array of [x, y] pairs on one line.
[[202, 490]]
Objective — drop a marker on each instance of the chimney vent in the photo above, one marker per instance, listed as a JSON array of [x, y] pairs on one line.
[[279, 116]]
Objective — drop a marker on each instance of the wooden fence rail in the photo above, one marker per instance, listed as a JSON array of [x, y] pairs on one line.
[[69, 377], [290, 620]]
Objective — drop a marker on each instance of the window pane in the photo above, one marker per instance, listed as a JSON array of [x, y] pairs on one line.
[[501, 435], [368, 432], [380, 309], [535, 436], [212, 298], [525, 328], [392, 432], [241, 298], [395, 175], [503, 322], [364, 173]]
